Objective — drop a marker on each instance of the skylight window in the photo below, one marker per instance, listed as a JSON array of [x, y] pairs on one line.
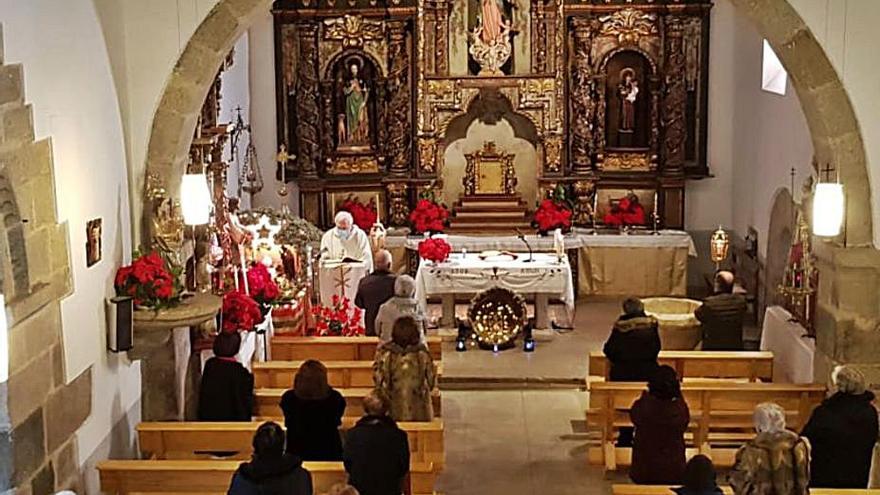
[[773, 77]]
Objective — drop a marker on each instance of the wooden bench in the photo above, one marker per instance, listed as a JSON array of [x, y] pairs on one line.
[[268, 400], [623, 489], [753, 366], [185, 440], [340, 374], [213, 477], [721, 412], [323, 349]]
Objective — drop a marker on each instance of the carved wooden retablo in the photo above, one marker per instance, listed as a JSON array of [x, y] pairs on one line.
[[489, 171]]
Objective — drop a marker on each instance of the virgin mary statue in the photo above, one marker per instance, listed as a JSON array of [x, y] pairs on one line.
[[357, 124], [492, 21]]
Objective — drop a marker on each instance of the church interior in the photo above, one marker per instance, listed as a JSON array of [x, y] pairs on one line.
[[556, 246]]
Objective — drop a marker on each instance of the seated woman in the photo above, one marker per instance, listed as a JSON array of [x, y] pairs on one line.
[[404, 373], [227, 388], [699, 478], [660, 417], [842, 432], [402, 304], [775, 461], [271, 471], [312, 414]]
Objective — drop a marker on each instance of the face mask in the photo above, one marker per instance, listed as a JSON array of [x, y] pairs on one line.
[[343, 234]]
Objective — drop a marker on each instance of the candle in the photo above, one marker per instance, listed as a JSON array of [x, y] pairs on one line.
[[244, 270]]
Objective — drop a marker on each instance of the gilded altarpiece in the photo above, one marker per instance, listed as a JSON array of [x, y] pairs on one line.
[[612, 93]]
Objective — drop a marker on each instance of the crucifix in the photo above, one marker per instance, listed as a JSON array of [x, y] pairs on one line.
[[827, 172]]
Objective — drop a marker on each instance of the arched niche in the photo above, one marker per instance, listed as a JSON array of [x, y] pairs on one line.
[[630, 84]]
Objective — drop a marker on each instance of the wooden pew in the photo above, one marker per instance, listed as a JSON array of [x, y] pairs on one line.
[[213, 477], [754, 366], [286, 348], [624, 489], [267, 401], [184, 440], [721, 412], [340, 374]]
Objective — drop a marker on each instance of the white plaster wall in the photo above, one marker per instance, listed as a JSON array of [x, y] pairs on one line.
[[68, 80], [848, 30]]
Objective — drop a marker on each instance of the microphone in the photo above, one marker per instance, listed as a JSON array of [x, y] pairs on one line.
[[522, 237]]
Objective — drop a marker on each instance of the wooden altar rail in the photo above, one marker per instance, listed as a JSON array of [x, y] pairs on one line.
[[340, 374], [268, 401], [721, 412], [190, 440], [754, 366], [213, 477], [335, 348], [625, 489]]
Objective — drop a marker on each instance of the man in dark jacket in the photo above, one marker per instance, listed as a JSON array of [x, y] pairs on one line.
[[721, 316], [842, 432], [633, 345], [376, 451], [375, 289], [271, 471]]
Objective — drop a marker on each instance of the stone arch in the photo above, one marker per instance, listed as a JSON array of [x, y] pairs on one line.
[[778, 244], [835, 131], [11, 225]]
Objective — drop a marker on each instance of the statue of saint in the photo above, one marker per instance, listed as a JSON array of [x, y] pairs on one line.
[[357, 125], [628, 89], [491, 21]]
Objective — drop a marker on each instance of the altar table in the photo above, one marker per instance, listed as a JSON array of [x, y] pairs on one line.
[[544, 277], [793, 353]]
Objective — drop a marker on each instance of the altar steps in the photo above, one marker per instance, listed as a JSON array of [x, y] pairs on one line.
[[489, 214]]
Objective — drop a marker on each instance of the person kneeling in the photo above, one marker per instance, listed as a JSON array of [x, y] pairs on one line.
[[376, 451], [271, 471]]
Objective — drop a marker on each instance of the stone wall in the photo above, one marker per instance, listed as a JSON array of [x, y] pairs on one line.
[[41, 411]]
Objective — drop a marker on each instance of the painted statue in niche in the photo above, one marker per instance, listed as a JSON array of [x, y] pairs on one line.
[[355, 106], [628, 101], [491, 48]]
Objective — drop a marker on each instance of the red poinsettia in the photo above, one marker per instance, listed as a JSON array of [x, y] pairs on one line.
[[240, 312], [339, 320], [364, 215], [552, 215], [627, 211], [428, 216], [263, 289], [435, 249], [149, 282]]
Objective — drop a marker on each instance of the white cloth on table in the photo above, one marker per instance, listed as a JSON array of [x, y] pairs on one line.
[[792, 352], [357, 247], [471, 275]]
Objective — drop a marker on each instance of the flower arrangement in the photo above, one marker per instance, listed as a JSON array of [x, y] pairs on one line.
[[365, 215], [429, 216], [552, 215], [240, 312], [338, 320], [149, 281], [627, 211], [263, 289], [435, 249]]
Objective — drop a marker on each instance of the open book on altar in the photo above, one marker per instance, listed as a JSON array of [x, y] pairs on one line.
[[333, 263]]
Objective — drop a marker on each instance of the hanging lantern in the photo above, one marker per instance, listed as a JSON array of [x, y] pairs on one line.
[[195, 200], [828, 202], [719, 245]]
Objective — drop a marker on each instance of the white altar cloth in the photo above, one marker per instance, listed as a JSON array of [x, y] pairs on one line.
[[792, 352], [545, 276], [342, 279]]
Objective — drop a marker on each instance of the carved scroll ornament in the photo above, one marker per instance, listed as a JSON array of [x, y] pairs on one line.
[[628, 25], [353, 31]]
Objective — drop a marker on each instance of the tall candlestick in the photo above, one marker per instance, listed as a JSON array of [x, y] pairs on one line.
[[247, 289]]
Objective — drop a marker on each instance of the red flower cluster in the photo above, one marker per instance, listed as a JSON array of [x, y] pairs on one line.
[[626, 212], [552, 215], [338, 320], [240, 312], [428, 216], [435, 249], [148, 281], [263, 289], [364, 215]]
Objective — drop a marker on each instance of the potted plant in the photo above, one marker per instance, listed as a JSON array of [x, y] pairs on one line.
[[340, 319], [364, 215], [435, 249], [150, 282]]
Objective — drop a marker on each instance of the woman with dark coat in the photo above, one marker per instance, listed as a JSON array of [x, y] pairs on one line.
[[842, 432], [271, 471], [660, 417], [633, 345], [312, 414], [699, 478], [227, 388]]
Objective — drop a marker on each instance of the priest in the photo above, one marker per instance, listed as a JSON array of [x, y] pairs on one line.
[[347, 240]]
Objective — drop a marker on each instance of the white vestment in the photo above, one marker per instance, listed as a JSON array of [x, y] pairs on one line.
[[357, 246]]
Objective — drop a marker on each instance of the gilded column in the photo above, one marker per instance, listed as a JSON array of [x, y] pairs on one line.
[[675, 99], [308, 114], [399, 116], [581, 98]]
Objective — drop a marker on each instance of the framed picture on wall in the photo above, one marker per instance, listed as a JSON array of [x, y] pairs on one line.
[[93, 242]]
